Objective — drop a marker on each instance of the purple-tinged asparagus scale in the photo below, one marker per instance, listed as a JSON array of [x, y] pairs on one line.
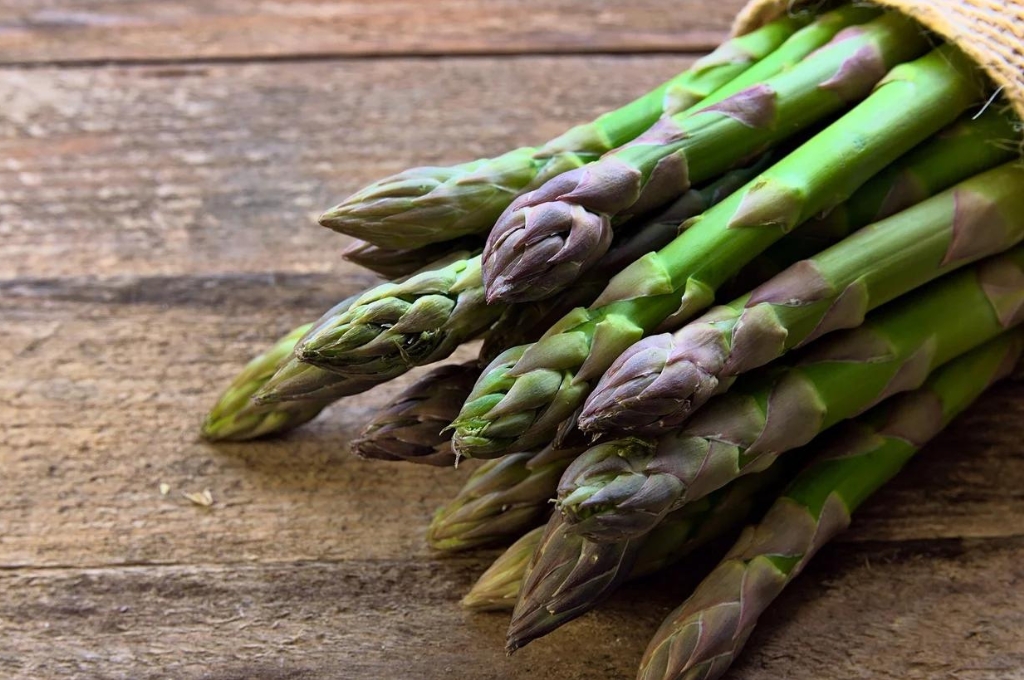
[[661, 380], [413, 427], [394, 263], [569, 575], [526, 322], [501, 500], [701, 639]]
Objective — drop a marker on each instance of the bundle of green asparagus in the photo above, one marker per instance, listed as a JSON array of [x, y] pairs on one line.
[[846, 189]]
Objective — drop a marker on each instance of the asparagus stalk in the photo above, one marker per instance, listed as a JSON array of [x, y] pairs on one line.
[[970, 146], [398, 325], [426, 205], [393, 263], [662, 379], [502, 499], [522, 397], [235, 417], [526, 322], [700, 639], [622, 488], [412, 427], [548, 237], [569, 575], [394, 327]]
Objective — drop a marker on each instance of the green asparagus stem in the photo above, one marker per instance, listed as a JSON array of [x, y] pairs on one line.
[[569, 575], [396, 326], [430, 204], [502, 499], [972, 145], [412, 427], [394, 263], [527, 392], [236, 418], [620, 489], [548, 237], [700, 639], [526, 322], [659, 381]]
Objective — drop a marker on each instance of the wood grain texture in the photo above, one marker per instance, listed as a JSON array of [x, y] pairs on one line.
[[102, 403], [156, 231], [915, 612], [33, 31], [223, 169]]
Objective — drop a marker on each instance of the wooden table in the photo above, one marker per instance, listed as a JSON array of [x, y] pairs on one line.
[[161, 163]]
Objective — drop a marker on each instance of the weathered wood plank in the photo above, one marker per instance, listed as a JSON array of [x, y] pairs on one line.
[[931, 610], [101, 403], [207, 170], [112, 30]]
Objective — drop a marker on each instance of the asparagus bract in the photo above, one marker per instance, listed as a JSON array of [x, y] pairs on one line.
[[394, 263], [662, 379], [498, 587], [526, 322], [569, 575], [430, 204], [527, 392], [622, 488], [548, 237], [396, 326], [700, 639], [412, 427], [501, 499], [237, 417]]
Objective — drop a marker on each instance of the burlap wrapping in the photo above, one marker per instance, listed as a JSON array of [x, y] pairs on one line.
[[990, 31]]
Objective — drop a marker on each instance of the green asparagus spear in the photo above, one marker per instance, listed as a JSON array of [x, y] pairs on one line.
[[395, 326], [700, 639], [622, 488], [970, 146], [430, 204], [412, 427], [679, 534], [527, 392], [526, 322], [502, 499], [569, 575], [548, 237], [236, 418], [662, 379]]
